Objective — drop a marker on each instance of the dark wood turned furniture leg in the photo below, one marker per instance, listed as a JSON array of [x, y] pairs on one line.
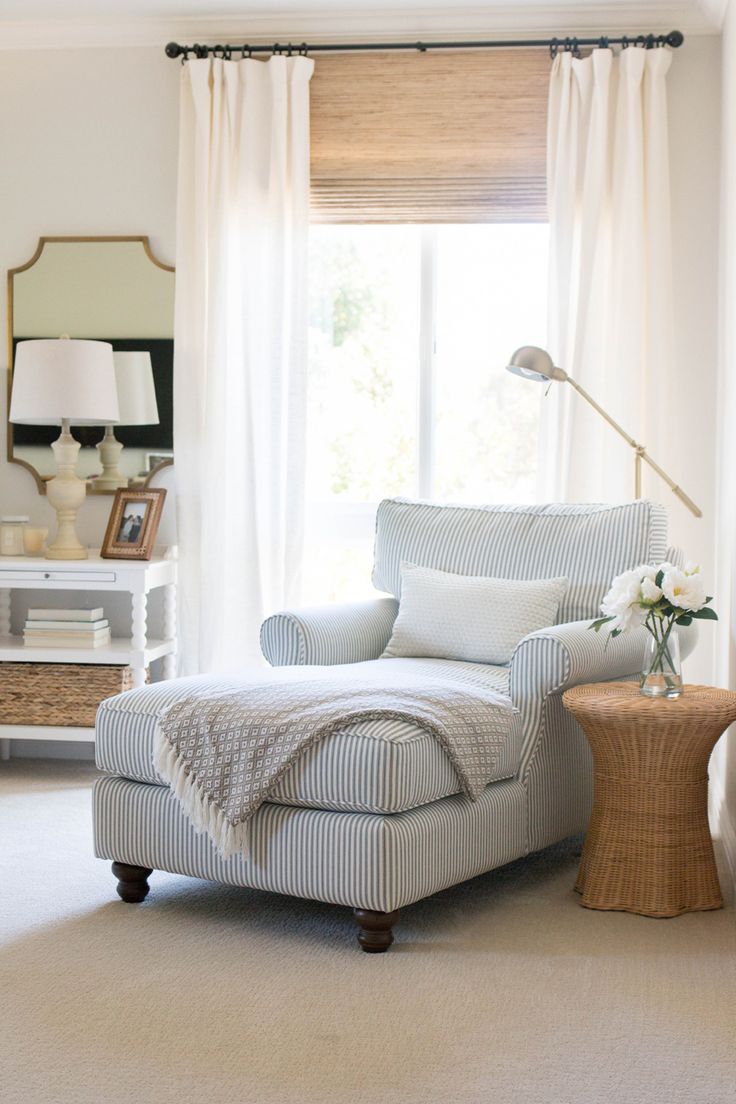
[[375, 935], [132, 882]]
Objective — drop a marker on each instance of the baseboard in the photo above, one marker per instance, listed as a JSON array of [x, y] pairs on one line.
[[52, 749], [727, 834]]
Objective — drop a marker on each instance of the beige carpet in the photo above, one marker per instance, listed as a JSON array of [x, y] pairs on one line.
[[501, 990]]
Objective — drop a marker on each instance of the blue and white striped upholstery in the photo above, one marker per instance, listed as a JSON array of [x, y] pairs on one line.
[[549, 661], [359, 859], [380, 766], [329, 634], [587, 544], [555, 759]]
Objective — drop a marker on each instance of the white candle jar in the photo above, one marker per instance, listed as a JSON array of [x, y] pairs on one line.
[[11, 535]]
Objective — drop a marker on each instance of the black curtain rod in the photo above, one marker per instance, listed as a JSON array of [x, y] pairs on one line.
[[571, 43]]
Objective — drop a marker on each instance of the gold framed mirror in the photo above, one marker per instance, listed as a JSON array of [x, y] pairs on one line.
[[106, 288]]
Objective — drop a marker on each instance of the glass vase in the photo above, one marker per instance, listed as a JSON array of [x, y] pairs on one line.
[[661, 673]]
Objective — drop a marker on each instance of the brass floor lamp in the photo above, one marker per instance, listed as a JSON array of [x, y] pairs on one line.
[[533, 363]]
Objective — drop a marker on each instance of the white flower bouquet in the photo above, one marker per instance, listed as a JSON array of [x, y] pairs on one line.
[[659, 598]]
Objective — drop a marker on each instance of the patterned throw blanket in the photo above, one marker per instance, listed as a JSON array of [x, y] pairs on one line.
[[223, 752]]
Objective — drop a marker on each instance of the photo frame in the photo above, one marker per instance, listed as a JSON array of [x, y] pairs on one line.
[[133, 524]]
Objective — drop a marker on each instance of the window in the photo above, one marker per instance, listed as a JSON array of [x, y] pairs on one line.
[[410, 329]]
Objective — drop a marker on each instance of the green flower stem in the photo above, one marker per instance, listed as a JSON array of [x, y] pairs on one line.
[[662, 653]]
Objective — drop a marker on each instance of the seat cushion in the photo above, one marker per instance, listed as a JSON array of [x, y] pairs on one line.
[[380, 766]]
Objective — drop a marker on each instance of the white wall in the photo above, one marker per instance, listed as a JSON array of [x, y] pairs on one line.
[[690, 454], [89, 147]]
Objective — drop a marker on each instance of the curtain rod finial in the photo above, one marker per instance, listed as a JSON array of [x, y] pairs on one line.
[[675, 39], [173, 50]]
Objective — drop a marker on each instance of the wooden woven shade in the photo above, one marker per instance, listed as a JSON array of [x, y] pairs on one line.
[[454, 136]]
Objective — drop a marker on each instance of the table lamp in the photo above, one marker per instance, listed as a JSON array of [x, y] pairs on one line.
[[64, 382], [532, 363], [137, 406]]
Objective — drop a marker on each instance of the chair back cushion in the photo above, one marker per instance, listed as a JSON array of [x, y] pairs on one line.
[[588, 544]]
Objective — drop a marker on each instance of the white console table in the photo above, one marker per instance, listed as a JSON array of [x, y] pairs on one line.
[[93, 574]]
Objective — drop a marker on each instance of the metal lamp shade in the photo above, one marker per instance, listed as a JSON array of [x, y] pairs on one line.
[[532, 363], [64, 379]]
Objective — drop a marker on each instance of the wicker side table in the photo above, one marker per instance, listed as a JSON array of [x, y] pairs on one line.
[[648, 848]]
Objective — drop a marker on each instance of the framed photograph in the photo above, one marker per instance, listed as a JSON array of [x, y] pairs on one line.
[[133, 525]]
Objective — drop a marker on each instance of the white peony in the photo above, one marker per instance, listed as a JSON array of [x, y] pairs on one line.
[[686, 591], [635, 599], [623, 602], [650, 592]]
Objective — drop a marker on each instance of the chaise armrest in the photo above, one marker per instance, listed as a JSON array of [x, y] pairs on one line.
[[549, 661], [329, 634]]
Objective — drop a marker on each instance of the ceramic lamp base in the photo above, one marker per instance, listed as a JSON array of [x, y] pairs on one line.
[[110, 451], [66, 553], [66, 493]]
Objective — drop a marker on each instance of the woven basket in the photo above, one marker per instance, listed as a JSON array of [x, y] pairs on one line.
[[62, 694]]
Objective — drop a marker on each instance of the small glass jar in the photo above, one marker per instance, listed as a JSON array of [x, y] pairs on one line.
[[11, 535]]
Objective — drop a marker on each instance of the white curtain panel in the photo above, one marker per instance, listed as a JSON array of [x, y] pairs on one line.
[[610, 313], [240, 340]]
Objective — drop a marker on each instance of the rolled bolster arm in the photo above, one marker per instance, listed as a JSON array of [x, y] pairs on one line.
[[329, 634], [551, 660]]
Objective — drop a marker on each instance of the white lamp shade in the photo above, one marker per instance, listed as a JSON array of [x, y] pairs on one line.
[[63, 378], [136, 390]]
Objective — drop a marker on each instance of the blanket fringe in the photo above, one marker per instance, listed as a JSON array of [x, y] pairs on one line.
[[229, 839]]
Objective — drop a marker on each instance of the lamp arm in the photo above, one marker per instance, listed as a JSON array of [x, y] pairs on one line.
[[589, 398], [672, 485], [639, 449]]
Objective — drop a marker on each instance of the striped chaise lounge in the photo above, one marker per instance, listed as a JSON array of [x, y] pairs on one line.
[[371, 817]]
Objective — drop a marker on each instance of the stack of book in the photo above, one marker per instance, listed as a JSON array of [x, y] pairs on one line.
[[66, 628]]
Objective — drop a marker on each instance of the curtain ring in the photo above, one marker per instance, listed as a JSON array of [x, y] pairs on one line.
[[303, 50], [277, 49], [575, 48], [625, 42], [603, 43], [554, 46]]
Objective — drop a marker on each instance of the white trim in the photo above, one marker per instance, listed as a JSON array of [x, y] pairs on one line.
[[692, 17], [713, 12], [721, 824], [46, 732], [728, 840]]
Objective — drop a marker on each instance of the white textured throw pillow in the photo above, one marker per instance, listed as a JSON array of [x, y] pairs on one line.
[[469, 617]]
